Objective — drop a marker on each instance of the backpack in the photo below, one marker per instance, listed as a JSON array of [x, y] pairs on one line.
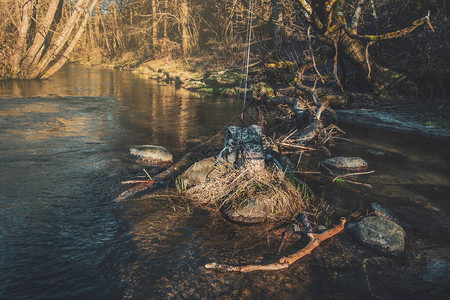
[[243, 147]]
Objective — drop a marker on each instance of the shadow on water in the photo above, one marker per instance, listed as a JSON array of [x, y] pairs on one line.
[[64, 149]]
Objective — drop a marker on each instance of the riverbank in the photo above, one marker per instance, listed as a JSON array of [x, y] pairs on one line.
[[206, 74], [201, 75], [209, 76]]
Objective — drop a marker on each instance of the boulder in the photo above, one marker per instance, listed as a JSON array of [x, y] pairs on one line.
[[350, 164], [202, 170], [379, 233], [152, 154], [249, 213]]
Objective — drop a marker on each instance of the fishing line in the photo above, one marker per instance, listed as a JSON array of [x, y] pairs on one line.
[[249, 40]]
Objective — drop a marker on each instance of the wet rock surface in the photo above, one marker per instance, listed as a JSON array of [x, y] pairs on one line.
[[383, 212], [201, 171], [438, 271], [351, 164], [249, 213], [152, 154], [380, 234]]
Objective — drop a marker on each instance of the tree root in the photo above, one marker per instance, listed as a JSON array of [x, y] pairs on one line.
[[286, 261]]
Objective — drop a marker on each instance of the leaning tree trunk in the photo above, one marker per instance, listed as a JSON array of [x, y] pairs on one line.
[[21, 44], [63, 59], [60, 41], [32, 56], [41, 50]]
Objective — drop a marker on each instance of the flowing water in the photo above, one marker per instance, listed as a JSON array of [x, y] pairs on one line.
[[64, 150]]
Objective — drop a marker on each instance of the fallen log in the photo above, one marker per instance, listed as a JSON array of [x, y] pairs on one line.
[[286, 261]]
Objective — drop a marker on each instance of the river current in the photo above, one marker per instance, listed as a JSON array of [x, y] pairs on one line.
[[64, 146]]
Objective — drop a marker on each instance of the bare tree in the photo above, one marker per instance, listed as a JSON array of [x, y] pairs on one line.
[[39, 51], [328, 19]]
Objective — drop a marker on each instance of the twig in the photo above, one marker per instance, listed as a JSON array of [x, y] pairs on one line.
[[304, 172], [289, 135], [298, 146], [299, 158], [137, 181], [353, 174], [147, 174], [359, 183]]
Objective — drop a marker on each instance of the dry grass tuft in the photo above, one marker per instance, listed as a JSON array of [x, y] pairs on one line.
[[269, 192]]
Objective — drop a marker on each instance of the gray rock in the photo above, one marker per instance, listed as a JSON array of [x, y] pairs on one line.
[[351, 164], [201, 171], [383, 212], [379, 233], [438, 271], [249, 213], [152, 154]]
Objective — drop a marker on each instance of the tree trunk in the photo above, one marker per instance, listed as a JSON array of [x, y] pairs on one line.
[[154, 25], [166, 38], [63, 59], [354, 51], [184, 19], [21, 44], [32, 56], [277, 19], [58, 45]]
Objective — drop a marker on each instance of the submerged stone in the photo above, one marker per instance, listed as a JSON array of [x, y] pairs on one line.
[[351, 164], [380, 234], [201, 171], [152, 154], [383, 212], [249, 213]]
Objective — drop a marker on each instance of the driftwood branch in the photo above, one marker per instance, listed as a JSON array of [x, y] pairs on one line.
[[286, 261]]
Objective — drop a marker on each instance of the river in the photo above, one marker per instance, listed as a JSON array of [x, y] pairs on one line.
[[64, 146]]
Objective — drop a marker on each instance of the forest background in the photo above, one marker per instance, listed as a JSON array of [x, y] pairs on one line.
[[402, 55]]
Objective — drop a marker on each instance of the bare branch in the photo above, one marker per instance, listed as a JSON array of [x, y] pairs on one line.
[[390, 35], [284, 262], [312, 54], [356, 16]]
